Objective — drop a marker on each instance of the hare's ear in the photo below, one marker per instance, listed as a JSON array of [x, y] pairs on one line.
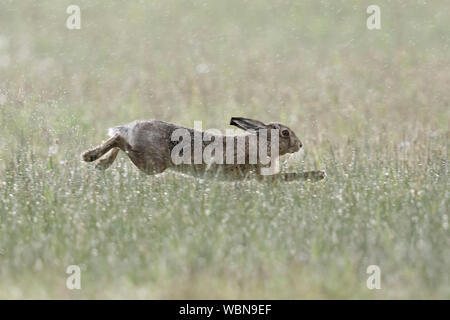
[[247, 124]]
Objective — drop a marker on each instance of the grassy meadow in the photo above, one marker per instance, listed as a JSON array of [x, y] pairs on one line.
[[372, 108]]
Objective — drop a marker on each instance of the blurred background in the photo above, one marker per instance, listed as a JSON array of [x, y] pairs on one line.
[[311, 64]]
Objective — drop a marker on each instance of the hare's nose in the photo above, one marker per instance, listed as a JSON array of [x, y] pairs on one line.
[[300, 144]]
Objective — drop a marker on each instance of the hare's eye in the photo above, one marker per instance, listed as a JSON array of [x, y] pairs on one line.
[[285, 133]]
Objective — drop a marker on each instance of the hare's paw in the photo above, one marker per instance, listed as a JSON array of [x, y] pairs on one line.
[[321, 174], [90, 155], [315, 175]]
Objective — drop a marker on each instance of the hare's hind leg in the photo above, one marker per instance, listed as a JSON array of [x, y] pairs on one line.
[[115, 141], [107, 160]]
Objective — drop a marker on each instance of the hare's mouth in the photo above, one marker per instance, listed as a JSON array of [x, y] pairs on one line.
[[294, 149]]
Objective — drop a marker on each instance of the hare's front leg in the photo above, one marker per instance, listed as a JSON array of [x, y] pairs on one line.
[[308, 175], [293, 176]]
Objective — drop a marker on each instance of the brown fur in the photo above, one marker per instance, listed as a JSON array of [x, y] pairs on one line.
[[148, 145]]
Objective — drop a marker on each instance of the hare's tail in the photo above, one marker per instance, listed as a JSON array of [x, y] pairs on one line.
[[122, 130]]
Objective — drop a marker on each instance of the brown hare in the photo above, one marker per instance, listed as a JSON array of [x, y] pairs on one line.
[[154, 146]]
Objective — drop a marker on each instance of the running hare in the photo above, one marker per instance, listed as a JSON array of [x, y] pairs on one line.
[[154, 146]]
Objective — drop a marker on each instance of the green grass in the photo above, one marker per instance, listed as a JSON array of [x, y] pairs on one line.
[[371, 108]]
